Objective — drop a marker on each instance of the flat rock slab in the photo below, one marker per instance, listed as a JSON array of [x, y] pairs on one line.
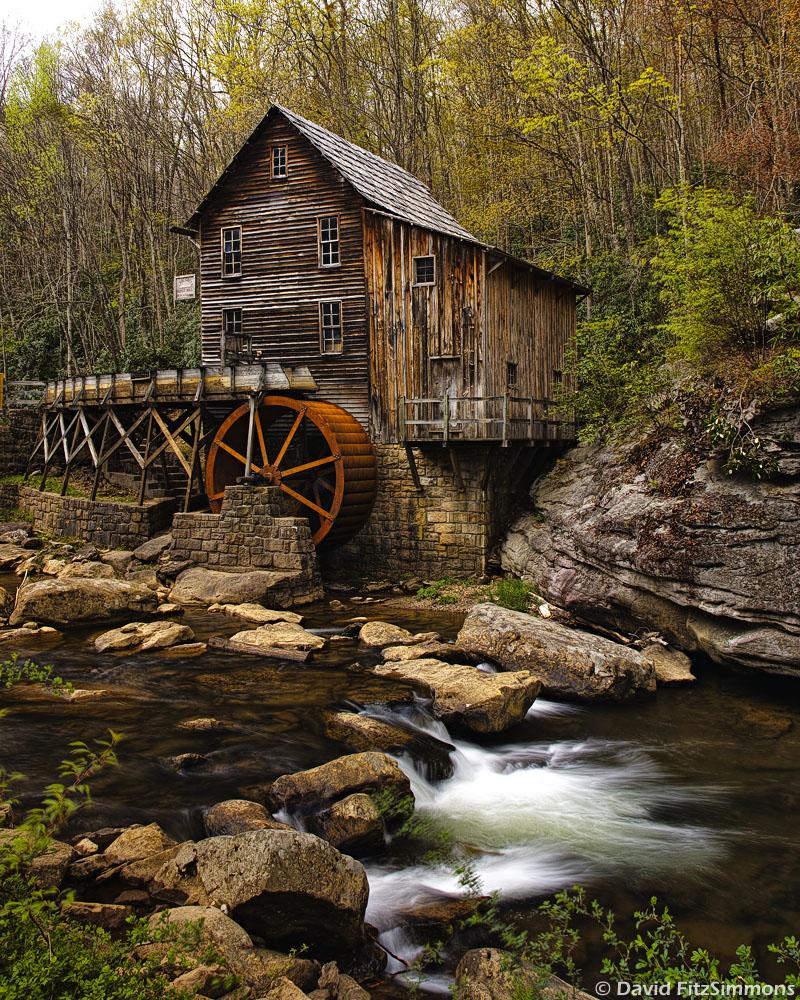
[[570, 664], [380, 634], [62, 602], [257, 613], [465, 696], [143, 636], [309, 791], [280, 635], [362, 733], [673, 668], [209, 586], [11, 555]]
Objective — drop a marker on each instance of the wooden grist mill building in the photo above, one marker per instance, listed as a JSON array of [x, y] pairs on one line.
[[361, 350]]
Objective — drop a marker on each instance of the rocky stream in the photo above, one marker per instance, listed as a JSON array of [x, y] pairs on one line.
[[247, 781]]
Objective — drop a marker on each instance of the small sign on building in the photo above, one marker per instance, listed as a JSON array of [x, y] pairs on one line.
[[185, 285]]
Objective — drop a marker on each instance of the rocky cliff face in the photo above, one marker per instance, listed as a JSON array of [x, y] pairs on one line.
[[662, 539]]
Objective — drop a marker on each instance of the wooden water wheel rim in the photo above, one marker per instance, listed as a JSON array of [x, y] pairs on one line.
[[348, 496]]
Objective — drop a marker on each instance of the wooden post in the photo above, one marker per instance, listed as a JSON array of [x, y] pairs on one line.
[[70, 459], [505, 420], [401, 417], [195, 451], [251, 426], [445, 420], [98, 465], [146, 464], [530, 418]]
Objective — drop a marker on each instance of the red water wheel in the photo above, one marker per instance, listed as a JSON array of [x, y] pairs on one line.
[[316, 452]]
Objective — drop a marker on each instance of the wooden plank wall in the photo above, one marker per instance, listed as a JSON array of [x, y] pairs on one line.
[[486, 319], [530, 321], [410, 325], [281, 283]]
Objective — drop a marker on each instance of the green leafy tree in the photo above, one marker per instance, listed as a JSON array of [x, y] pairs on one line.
[[729, 278]]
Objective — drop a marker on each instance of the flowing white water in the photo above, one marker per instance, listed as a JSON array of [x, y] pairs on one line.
[[539, 817]]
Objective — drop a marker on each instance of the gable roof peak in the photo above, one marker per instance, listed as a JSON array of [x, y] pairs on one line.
[[379, 181]]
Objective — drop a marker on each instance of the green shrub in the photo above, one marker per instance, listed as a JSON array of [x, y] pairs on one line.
[[439, 591], [516, 595]]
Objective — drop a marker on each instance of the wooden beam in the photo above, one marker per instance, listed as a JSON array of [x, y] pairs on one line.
[[166, 432], [412, 463]]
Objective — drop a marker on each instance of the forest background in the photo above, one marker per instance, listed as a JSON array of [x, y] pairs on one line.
[[650, 148]]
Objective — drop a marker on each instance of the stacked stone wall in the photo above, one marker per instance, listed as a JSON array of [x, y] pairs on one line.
[[447, 527], [111, 525], [250, 532], [18, 430]]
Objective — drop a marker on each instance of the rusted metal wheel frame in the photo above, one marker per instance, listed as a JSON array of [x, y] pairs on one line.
[[360, 493]]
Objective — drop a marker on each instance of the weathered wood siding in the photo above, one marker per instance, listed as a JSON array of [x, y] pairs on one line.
[[530, 321], [411, 327], [282, 283], [478, 317]]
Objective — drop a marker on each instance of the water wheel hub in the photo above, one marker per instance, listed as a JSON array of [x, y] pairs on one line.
[[314, 451]]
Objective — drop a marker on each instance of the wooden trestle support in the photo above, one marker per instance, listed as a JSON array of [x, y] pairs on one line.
[[316, 452]]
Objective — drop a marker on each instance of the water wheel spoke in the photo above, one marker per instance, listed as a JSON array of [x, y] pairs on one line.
[[217, 496], [261, 442], [310, 465], [292, 431], [327, 486], [306, 502], [232, 451]]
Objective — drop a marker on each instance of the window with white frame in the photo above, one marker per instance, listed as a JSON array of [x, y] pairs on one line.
[[329, 241], [425, 270], [280, 163], [330, 327], [231, 251]]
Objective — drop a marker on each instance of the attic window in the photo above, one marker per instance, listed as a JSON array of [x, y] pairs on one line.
[[280, 163], [425, 270], [232, 252], [328, 235]]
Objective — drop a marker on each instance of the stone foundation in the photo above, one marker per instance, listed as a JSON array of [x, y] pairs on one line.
[[18, 430], [447, 528], [111, 525], [250, 532]]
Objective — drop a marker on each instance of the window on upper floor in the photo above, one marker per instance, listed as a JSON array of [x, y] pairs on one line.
[[280, 163], [231, 238], [425, 270], [330, 327], [328, 237], [511, 374]]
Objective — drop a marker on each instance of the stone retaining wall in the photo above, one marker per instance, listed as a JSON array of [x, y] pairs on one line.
[[250, 532], [447, 528], [18, 430], [112, 525]]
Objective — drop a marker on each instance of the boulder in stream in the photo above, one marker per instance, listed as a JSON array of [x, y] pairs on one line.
[[569, 663], [150, 550], [361, 732], [380, 634], [257, 613], [465, 696], [64, 602], [309, 791], [673, 668], [492, 974], [89, 570], [279, 635], [353, 825], [141, 636], [289, 888], [199, 585], [238, 816], [12, 555]]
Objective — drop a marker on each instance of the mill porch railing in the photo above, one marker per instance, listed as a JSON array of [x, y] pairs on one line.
[[503, 418]]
